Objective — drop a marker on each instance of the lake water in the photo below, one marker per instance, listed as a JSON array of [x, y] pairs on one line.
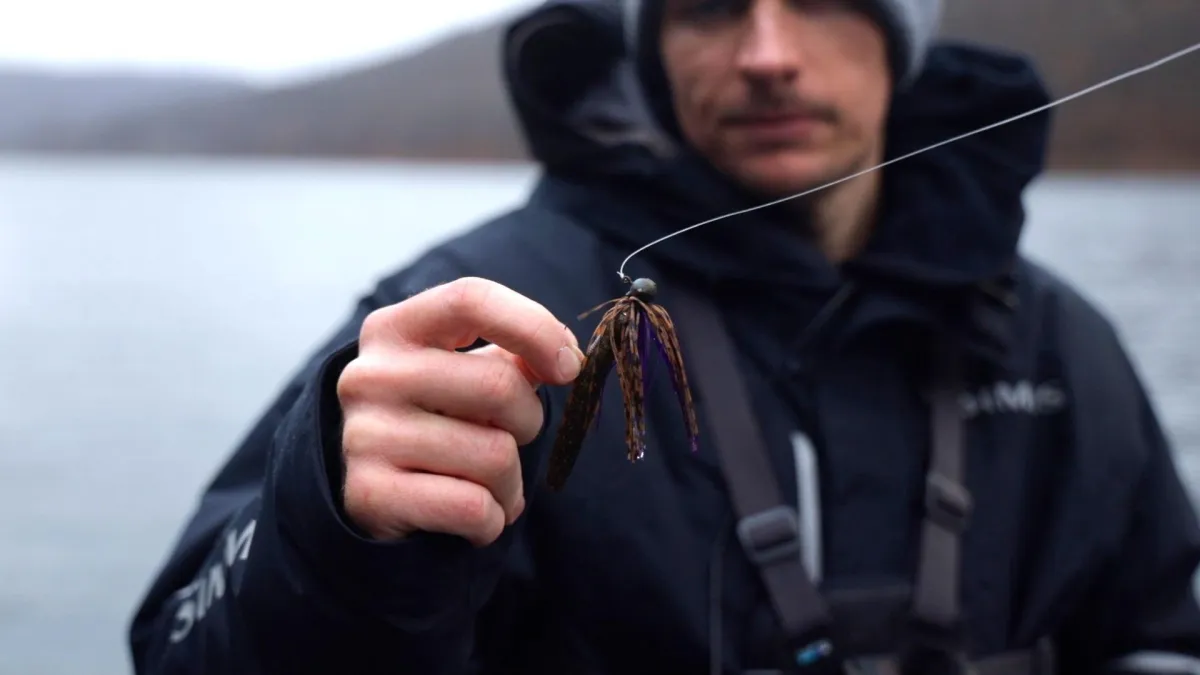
[[149, 310]]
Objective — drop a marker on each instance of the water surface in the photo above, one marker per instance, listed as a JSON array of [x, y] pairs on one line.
[[149, 310]]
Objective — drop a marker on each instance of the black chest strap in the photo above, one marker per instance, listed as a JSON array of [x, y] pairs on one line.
[[937, 642], [768, 526]]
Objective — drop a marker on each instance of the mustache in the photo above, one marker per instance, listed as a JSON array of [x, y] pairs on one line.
[[780, 103]]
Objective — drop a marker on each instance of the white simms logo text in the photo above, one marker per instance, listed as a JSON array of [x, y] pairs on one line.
[[1022, 397]]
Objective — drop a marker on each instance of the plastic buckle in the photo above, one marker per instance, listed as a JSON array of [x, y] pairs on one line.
[[813, 657], [947, 503], [771, 535], [813, 653]]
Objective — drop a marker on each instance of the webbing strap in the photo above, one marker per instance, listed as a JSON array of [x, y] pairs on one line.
[[769, 530], [768, 527], [936, 605]]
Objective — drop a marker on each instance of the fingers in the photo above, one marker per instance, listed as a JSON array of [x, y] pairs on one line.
[[419, 441], [454, 315], [489, 387], [430, 435], [390, 504], [521, 365]]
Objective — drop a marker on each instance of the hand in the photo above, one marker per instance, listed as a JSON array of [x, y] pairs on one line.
[[431, 435]]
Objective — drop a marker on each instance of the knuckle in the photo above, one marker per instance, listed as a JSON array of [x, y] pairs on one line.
[[501, 383], [465, 295], [518, 508], [378, 323], [496, 455], [473, 510], [360, 436], [542, 324], [350, 382], [491, 529], [358, 496], [379, 376], [386, 437], [532, 428]]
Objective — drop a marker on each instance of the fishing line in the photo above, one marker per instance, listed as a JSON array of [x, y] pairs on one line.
[[1053, 104]]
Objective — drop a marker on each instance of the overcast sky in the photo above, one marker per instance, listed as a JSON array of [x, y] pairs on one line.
[[263, 39]]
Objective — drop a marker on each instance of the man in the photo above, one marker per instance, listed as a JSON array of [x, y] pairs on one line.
[[389, 512]]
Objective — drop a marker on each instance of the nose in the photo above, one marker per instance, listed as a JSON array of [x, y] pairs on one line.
[[768, 49]]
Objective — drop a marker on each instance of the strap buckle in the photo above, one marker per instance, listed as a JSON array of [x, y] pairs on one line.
[[811, 658], [816, 656], [771, 535], [947, 503]]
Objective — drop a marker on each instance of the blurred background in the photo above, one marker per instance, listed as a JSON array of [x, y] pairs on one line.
[[193, 195]]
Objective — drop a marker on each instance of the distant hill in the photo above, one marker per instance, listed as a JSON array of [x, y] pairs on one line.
[[447, 101], [1146, 122], [41, 101]]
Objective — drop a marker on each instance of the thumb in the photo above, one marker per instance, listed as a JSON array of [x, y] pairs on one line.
[[569, 354]]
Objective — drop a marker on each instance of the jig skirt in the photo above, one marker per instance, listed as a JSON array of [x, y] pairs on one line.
[[633, 332]]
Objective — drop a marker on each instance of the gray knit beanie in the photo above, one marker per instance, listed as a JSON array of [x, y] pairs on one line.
[[909, 24]]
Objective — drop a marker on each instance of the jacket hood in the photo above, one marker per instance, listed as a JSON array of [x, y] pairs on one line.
[[951, 217]]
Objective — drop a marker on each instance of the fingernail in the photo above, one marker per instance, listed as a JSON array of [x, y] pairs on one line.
[[569, 361], [571, 337]]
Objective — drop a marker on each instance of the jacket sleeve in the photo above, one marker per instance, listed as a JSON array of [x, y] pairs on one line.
[[1143, 616], [267, 577]]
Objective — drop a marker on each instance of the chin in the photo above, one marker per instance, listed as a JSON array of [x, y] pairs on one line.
[[784, 173]]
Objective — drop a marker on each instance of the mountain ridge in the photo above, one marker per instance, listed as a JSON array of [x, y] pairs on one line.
[[446, 101], [39, 100]]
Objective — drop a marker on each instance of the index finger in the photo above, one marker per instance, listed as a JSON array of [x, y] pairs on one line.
[[458, 313]]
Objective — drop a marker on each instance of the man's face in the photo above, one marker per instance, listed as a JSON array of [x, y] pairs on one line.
[[782, 95]]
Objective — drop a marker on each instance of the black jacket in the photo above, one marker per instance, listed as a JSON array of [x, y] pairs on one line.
[[1082, 530]]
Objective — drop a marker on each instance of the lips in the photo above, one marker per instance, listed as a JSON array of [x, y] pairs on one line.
[[781, 126]]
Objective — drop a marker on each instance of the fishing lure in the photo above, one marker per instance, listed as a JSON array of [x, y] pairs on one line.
[[632, 328]]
